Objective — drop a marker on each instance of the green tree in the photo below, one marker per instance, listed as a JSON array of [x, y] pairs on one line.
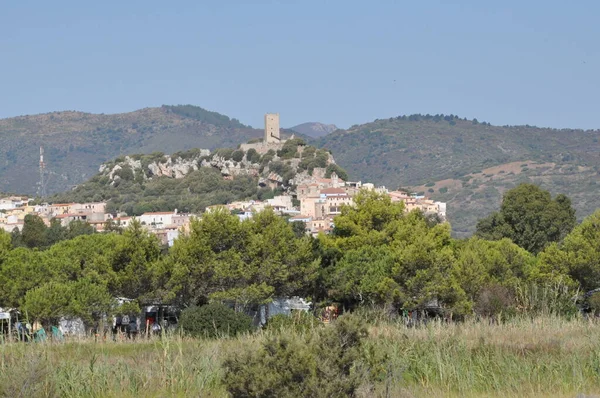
[[253, 156], [371, 221], [530, 217], [365, 276], [48, 302], [341, 173], [56, 232], [480, 264], [243, 262], [34, 232], [79, 227], [83, 299], [133, 261], [237, 155], [5, 245], [578, 256], [22, 270]]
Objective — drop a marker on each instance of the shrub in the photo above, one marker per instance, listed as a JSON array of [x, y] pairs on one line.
[[494, 300], [329, 363], [237, 155], [225, 153], [253, 156], [444, 190], [213, 320], [594, 303], [126, 173], [341, 173]]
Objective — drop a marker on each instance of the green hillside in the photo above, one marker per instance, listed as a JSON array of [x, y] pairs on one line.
[[189, 181], [470, 164], [76, 143]]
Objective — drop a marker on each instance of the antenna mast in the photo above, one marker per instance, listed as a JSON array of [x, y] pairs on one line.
[[42, 169]]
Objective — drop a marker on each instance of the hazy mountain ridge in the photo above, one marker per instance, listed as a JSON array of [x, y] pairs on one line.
[[314, 129], [425, 152], [76, 143], [464, 162]]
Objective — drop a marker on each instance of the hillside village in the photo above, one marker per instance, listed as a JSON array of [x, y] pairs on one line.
[[317, 198]]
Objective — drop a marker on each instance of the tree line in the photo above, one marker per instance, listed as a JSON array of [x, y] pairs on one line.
[[377, 255]]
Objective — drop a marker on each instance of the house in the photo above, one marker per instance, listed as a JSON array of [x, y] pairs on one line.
[[123, 222], [335, 198], [157, 219], [12, 202], [281, 203]]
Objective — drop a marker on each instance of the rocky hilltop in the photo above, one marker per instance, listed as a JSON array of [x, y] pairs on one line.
[[193, 179]]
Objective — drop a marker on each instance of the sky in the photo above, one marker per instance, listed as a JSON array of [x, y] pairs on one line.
[[344, 62]]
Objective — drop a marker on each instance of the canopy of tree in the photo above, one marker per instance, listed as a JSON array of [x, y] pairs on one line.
[[377, 255], [530, 218]]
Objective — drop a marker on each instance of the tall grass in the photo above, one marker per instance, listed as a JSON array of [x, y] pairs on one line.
[[543, 356]]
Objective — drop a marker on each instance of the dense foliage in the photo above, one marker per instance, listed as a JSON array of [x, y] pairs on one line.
[[328, 364], [199, 189], [36, 234], [201, 114], [377, 255], [214, 320], [530, 218]]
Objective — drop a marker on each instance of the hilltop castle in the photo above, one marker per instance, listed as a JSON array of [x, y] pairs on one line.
[[272, 137]]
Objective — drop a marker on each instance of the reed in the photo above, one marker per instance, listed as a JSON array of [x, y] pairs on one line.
[[524, 357]]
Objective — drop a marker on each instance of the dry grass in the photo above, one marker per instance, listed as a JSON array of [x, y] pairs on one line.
[[524, 358]]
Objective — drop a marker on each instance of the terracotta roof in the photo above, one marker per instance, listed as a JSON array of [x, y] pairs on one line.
[[62, 204]]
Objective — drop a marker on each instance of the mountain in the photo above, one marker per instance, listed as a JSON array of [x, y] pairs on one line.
[[314, 129], [466, 163], [470, 164], [76, 143]]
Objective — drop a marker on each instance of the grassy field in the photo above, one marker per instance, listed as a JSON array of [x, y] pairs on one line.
[[522, 358]]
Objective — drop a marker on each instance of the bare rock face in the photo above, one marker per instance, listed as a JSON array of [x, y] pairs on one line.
[[175, 166]]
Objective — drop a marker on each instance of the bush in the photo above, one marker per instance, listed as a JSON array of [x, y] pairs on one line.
[[238, 155], [494, 300], [299, 321], [253, 156], [341, 173], [329, 363], [225, 153], [214, 320]]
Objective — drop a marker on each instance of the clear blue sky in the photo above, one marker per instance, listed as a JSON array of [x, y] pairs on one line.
[[343, 62]]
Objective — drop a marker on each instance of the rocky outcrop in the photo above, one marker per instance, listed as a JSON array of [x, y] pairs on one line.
[[143, 167]]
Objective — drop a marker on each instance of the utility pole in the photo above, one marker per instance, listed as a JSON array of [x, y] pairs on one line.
[[42, 170]]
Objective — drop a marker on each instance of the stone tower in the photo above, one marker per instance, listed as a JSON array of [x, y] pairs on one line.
[[272, 128]]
